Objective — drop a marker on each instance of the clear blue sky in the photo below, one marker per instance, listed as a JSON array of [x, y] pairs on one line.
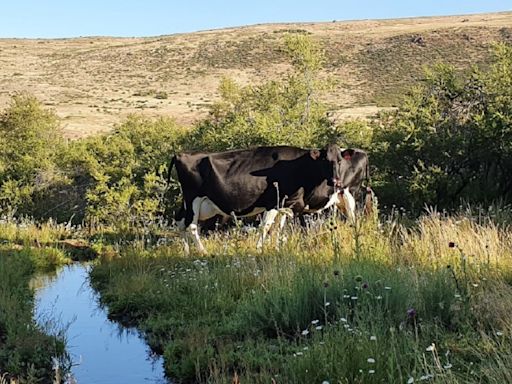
[[71, 18]]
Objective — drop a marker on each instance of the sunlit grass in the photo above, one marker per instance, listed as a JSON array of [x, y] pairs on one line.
[[364, 302]]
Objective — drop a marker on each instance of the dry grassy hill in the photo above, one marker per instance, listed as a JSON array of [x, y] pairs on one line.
[[94, 82]]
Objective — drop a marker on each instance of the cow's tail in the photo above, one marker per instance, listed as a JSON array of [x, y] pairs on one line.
[[368, 177], [169, 171], [369, 200]]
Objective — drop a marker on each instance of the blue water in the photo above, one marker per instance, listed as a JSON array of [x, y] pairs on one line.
[[103, 352]]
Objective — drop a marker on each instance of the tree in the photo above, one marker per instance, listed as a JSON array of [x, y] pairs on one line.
[[283, 112]]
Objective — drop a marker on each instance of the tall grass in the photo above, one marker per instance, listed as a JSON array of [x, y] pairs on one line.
[[28, 351], [355, 303]]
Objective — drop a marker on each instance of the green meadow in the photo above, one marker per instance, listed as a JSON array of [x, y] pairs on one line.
[[420, 291]]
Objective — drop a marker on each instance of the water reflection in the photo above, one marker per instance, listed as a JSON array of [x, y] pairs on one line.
[[103, 352]]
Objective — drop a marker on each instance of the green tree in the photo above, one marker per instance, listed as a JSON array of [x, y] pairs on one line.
[[283, 112], [450, 139], [30, 138]]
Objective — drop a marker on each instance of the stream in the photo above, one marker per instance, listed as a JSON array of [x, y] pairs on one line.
[[103, 352]]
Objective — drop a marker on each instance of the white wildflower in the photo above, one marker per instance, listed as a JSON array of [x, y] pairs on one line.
[[315, 322], [371, 360], [410, 380], [431, 347], [373, 338]]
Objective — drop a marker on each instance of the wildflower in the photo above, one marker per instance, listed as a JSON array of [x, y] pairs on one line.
[[373, 338], [315, 322], [299, 353], [452, 244], [499, 333], [327, 304], [410, 380], [431, 347], [353, 298], [411, 313], [318, 327], [325, 382], [387, 288], [379, 297], [457, 296], [305, 332], [371, 371], [371, 360], [346, 296], [365, 286], [343, 320]]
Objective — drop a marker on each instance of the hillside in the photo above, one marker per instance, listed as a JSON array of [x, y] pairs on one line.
[[93, 82]]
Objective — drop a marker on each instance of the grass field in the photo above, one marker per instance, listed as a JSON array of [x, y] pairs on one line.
[[95, 82], [427, 301], [29, 352]]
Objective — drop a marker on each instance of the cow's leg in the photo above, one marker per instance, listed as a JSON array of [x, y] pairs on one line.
[[193, 227], [369, 202], [268, 219], [180, 223], [282, 221], [184, 236], [349, 204]]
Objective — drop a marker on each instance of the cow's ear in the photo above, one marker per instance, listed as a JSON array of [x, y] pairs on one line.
[[347, 154], [314, 153]]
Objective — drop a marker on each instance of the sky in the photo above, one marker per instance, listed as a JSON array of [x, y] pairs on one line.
[[127, 18]]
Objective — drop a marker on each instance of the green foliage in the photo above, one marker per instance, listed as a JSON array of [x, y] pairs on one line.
[[120, 178], [280, 112], [29, 141], [450, 139], [25, 350]]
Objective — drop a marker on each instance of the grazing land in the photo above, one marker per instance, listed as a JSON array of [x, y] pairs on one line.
[[419, 291], [95, 82]]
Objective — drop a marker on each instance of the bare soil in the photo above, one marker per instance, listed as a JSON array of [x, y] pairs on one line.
[[95, 82]]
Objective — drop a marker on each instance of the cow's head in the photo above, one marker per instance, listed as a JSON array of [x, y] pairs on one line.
[[330, 158]]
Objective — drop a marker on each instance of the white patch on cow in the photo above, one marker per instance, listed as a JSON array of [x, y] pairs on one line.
[[268, 220], [194, 231], [349, 204], [181, 227], [333, 200]]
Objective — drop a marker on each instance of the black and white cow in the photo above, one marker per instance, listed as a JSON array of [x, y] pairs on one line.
[[262, 180]]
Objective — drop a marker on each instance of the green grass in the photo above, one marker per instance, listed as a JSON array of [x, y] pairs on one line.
[[27, 350], [342, 304]]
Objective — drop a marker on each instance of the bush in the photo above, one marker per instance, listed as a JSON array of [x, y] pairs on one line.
[[450, 139], [29, 141], [283, 112]]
